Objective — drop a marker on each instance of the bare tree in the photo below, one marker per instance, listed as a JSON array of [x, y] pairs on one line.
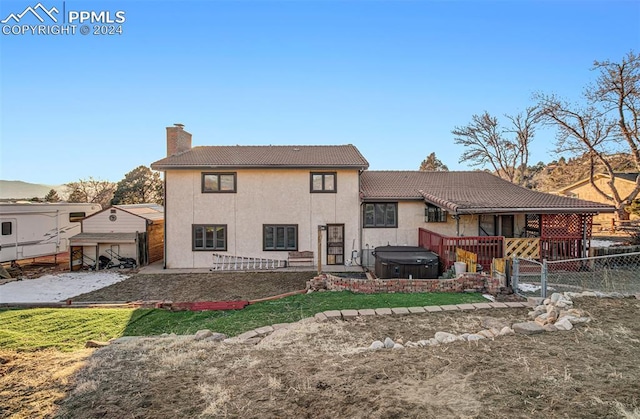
[[433, 164], [607, 125], [506, 150], [91, 190]]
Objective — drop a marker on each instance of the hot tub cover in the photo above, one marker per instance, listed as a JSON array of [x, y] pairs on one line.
[[405, 255]]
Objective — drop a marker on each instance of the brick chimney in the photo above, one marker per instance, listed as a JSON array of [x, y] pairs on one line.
[[178, 140]]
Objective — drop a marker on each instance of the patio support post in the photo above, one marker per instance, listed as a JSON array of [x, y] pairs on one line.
[[321, 228], [514, 274], [584, 238], [543, 279]]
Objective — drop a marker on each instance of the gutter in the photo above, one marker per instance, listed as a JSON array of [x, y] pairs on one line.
[[163, 167], [502, 210]]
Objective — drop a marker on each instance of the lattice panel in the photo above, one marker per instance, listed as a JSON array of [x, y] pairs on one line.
[[522, 248], [562, 225], [588, 222], [533, 225]]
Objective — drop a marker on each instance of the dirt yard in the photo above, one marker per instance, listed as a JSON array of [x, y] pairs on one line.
[[35, 268], [320, 370], [201, 287]]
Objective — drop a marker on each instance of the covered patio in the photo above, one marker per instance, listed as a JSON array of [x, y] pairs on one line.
[[546, 236]]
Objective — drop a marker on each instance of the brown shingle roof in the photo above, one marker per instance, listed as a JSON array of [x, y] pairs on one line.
[[336, 156], [469, 193]]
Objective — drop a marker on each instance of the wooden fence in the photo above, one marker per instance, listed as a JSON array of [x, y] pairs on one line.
[[470, 258], [500, 270]]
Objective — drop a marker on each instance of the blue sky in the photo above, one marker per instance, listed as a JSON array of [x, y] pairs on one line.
[[392, 77]]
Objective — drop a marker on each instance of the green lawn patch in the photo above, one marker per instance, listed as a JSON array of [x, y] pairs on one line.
[[69, 329], [285, 310]]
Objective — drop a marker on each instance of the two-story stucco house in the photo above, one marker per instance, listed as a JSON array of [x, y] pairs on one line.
[[258, 201], [266, 201]]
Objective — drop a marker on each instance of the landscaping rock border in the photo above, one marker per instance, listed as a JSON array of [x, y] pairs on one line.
[[555, 313]]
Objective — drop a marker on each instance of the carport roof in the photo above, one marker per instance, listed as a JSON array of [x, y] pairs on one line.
[[151, 211], [87, 239]]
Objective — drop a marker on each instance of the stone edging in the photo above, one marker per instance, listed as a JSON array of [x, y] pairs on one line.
[[254, 336]]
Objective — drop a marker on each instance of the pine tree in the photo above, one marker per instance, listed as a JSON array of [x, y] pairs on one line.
[[52, 196], [139, 186]]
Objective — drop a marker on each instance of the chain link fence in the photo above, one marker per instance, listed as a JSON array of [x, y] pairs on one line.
[[613, 273]]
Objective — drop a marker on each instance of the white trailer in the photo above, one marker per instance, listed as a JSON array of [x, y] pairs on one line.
[[32, 230]]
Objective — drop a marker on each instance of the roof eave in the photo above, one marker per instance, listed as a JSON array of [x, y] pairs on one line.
[[165, 167], [391, 198], [535, 210]]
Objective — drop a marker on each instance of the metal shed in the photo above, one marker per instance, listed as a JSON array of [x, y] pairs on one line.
[[128, 235]]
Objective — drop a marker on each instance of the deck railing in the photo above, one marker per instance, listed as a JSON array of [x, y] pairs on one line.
[[486, 247], [489, 247]]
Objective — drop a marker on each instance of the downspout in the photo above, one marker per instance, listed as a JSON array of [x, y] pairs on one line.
[[457, 218], [360, 232], [164, 222]]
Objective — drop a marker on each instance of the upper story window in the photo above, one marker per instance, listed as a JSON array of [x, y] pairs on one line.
[[218, 182], [433, 214], [384, 214], [324, 182]]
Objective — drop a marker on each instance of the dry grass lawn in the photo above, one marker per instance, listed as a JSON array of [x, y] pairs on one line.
[[320, 370]]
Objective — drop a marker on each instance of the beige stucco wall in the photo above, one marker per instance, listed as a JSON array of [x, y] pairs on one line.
[[264, 196], [411, 218]]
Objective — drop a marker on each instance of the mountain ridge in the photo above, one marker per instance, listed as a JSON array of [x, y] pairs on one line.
[[18, 189]]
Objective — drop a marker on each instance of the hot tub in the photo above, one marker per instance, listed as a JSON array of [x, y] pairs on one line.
[[406, 262]]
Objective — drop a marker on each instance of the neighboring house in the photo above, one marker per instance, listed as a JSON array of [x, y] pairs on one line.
[[625, 183], [133, 231], [265, 201]]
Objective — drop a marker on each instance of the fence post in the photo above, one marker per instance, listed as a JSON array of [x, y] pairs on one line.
[[514, 274], [543, 279]]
